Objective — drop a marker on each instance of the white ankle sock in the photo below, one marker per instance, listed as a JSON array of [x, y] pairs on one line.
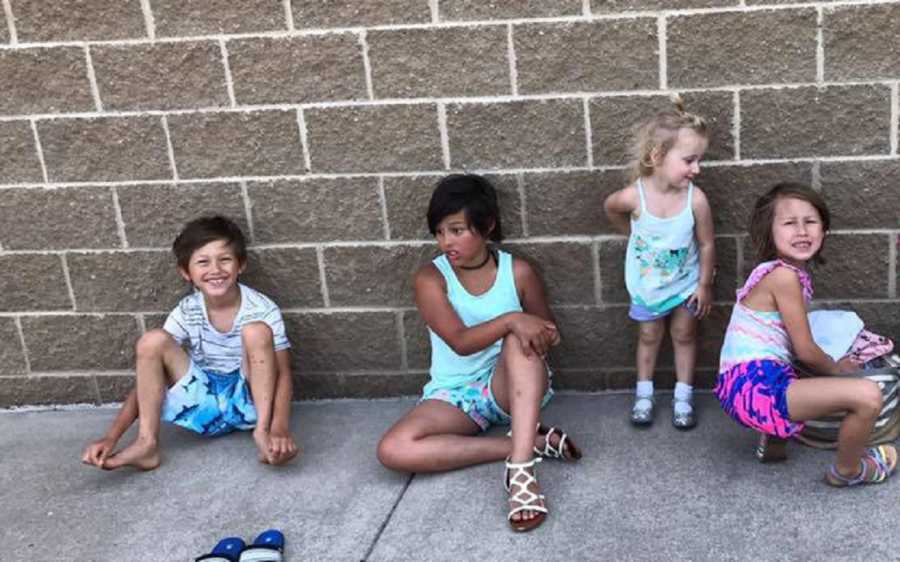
[[683, 392], [644, 389]]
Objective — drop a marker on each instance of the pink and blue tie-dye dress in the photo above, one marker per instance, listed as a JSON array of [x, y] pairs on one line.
[[755, 365]]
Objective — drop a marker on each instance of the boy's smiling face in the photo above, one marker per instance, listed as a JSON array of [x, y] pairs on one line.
[[213, 269]]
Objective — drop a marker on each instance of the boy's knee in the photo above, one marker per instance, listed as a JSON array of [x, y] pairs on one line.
[[257, 334], [153, 343]]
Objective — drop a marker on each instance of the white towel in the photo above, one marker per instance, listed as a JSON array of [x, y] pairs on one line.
[[835, 330]]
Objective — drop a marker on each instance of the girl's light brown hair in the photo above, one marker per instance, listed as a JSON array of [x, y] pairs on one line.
[[763, 216], [658, 135]]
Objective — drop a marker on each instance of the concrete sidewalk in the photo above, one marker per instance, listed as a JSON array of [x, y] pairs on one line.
[[655, 494]]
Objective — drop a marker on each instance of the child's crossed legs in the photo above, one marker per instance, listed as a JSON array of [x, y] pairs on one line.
[[437, 436]]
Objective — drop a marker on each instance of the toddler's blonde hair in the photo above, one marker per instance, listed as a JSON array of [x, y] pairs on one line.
[[659, 134]]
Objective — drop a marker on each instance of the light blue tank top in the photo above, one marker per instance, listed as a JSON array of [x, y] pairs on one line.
[[448, 369], [662, 262]]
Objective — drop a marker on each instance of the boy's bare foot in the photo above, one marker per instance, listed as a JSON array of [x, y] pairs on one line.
[[261, 438], [275, 449], [143, 454]]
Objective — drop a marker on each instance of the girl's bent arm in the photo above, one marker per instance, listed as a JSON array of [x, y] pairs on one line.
[[438, 314], [618, 207], [703, 230], [788, 294]]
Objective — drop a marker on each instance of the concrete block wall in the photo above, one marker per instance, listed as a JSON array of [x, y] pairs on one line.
[[322, 126]]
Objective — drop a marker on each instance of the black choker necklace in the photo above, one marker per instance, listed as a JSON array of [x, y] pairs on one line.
[[479, 266]]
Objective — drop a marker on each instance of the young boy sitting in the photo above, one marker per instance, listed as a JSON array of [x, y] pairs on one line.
[[195, 371]]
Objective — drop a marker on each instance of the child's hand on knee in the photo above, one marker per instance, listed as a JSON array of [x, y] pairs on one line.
[[96, 452], [535, 334]]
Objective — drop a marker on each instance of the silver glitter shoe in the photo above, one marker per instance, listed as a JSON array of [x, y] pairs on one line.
[[642, 411], [683, 420]]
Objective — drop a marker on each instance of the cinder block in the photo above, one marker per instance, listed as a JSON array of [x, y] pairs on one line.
[[73, 343], [862, 42], [56, 219], [174, 18], [587, 57], [268, 70], [19, 161], [862, 194], [352, 13], [810, 121], [456, 61], [567, 269], [44, 80], [132, 281], [77, 20], [762, 47], [287, 211], [258, 143], [569, 203], [374, 276], [387, 138], [160, 76], [30, 282], [12, 356], [343, 341], [289, 276], [105, 149], [520, 134], [153, 215]]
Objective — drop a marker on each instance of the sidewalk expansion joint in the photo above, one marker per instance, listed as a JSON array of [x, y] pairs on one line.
[[387, 519]]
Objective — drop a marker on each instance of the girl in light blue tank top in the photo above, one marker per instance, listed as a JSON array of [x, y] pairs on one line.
[[490, 330], [670, 254]]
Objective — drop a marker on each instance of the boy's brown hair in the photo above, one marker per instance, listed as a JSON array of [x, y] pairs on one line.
[[203, 230], [760, 227]]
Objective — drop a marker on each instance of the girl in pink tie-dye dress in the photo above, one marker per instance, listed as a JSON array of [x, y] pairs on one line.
[[757, 385]]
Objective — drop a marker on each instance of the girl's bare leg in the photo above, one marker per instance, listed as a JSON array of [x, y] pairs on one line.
[[650, 336], [519, 384], [821, 396]]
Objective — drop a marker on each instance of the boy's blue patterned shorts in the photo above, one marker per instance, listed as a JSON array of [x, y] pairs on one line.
[[210, 403]]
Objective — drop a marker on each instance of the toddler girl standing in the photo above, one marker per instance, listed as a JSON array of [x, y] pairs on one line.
[[670, 257]]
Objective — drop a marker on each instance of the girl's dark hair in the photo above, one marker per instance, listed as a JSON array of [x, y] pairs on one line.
[[472, 194], [203, 230], [763, 216]]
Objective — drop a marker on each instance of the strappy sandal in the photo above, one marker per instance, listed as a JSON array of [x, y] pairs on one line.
[[565, 448], [521, 479], [771, 449], [876, 466]]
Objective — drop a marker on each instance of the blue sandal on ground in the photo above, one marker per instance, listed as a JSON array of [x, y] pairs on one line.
[[228, 550], [268, 547]]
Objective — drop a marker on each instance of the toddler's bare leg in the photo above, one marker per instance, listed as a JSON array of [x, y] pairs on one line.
[[650, 338], [261, 370], [684, 343], [160, 363]]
